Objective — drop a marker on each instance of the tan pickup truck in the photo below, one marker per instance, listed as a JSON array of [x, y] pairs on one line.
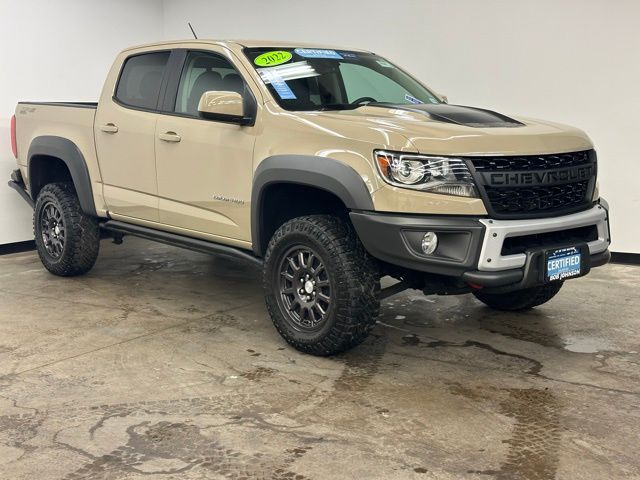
[[330, 168]]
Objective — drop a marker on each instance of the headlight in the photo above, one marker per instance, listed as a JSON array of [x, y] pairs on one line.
[[449, 176]]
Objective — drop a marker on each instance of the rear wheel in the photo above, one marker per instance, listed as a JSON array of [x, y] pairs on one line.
[[520, 299], [67, 239], [321, 286]]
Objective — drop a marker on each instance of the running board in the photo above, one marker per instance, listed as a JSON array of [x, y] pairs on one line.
[[19, 187], [176, 240]]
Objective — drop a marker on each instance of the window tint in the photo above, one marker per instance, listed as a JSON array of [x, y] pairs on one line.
[[140, 80], [360, 82], [205, 72]]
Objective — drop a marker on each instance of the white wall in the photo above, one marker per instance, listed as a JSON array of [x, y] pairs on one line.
[[575, 62], [59, 50], [567, 61]]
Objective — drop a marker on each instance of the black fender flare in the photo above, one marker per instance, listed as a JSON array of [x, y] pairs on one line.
[[70, 154], [324, 173]]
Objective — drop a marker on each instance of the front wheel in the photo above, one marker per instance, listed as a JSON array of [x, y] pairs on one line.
[[520, 299], [321, 286]]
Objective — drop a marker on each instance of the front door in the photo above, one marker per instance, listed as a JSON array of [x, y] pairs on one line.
[[125, 129], [204, 167]]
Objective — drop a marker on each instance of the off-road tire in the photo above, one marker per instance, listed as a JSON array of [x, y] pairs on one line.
[[520, 299], [353, 276], [79, 250]]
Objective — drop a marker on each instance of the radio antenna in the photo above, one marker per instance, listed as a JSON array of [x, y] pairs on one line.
[[192, 31]]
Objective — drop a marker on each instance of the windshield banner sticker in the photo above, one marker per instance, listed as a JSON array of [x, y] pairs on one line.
[[292, 71], [318, 53], [270, 75], [275, 57], [411, 99], [350, 55]]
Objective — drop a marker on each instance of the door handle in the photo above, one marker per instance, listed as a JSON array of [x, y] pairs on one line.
[[170, 137], [109, 128]]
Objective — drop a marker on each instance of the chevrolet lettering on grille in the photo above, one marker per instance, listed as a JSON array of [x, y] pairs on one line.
[[540, 177]]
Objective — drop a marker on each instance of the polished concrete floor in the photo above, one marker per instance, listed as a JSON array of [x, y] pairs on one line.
[[162, 363]]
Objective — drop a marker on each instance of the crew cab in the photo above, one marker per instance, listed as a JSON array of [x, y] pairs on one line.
[[329, 168]]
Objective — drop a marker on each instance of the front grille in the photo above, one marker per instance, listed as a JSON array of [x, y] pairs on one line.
[[535, 185], [537, 199], [573, 236], [530, 162]]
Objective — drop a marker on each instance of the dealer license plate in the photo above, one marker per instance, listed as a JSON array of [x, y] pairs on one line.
[[563, 263]]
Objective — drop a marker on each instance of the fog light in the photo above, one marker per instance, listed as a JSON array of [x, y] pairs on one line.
[[429, 243]]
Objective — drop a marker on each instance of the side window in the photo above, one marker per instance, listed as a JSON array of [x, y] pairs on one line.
[[361, 82], [141, 78], [205, 72]]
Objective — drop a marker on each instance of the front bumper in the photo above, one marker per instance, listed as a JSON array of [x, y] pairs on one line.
[[473, 249]]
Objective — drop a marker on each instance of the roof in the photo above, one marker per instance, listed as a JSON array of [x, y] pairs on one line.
[[245, 43]]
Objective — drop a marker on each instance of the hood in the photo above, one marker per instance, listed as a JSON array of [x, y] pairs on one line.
[[459, 130]]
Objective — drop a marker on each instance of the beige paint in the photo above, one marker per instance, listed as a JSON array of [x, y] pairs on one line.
[[127, 157], [194, 176], [75, 124], [204, 180]]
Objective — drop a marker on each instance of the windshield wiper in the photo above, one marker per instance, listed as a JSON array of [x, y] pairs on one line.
[[349, 106], [374, 104], [336, 106]]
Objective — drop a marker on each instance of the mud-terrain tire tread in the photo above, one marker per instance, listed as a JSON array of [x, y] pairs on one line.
[[521, 299], [357, 278], [82, 241]]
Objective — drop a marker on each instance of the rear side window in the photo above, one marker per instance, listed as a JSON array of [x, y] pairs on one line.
[[141, 78]]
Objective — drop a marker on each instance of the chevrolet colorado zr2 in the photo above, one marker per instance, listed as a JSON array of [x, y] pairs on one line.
[[329, 168]]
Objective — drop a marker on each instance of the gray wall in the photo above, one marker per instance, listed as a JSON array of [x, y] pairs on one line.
[[59, 50], [574, 62]]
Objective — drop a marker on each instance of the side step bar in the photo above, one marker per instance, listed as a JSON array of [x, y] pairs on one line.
[[176, 240], [17, 183]]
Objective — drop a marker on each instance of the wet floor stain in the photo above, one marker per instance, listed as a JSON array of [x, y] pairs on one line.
[[535, 439], [164, 448], [360, 366], [154, 443], [522, 328], [260, 373]]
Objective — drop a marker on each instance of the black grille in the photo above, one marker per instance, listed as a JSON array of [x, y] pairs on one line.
[[535, 185], [530, 162], [537, 199]]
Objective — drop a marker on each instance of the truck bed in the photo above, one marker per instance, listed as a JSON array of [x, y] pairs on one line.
[[39, 124]]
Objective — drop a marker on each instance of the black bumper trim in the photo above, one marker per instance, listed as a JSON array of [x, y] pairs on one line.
[[493, 279], [518, 278], [395, 239]]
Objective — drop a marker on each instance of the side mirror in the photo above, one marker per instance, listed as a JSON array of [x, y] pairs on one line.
[[222, 106], [443, 98]]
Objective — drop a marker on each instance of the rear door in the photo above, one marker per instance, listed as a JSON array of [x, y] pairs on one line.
[[204, 166], [125, 137]]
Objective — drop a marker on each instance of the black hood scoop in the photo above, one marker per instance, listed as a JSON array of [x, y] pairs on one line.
[[461, 115]]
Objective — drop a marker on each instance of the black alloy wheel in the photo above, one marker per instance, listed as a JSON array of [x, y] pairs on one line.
[[52, 230], [305, 287]]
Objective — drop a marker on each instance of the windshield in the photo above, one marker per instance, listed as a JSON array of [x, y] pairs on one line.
[[321, 79]]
